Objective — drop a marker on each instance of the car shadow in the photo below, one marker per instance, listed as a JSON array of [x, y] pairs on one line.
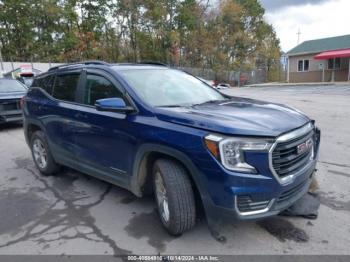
[[10, 126]]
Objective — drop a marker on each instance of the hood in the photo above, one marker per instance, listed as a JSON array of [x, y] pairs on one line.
[[12, 95], [237, 116]]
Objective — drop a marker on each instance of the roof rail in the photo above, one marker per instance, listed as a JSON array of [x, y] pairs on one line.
[[153, 63], [92, 62]]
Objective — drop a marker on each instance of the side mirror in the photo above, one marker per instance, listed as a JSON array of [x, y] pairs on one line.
[[113, 105]]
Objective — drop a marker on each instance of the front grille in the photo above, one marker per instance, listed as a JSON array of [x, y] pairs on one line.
[[290, 193], [11, 104], [287, 160], [246, 204]]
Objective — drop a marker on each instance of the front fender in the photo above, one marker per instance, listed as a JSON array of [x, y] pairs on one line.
[[138, 178]]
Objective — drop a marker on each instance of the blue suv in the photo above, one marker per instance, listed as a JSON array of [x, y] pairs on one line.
[[150, 128]]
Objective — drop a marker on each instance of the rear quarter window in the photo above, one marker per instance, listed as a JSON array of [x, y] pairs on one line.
[[45, 83], [37, 82], [65, 86]]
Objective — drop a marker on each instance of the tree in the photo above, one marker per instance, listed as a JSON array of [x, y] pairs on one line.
[[231, 35], [16, 29]]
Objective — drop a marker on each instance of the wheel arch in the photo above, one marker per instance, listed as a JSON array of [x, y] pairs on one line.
[[145, 157], [31, 126]]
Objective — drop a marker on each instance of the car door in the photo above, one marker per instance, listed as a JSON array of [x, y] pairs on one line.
[[59, 116], [104, 141]]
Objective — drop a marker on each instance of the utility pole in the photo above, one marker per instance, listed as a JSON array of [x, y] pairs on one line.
[[298, 33], [1, 62]]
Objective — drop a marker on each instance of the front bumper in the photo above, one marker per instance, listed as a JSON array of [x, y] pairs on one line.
[[269, 205], [246, 197], [276, 205], [11, 116]]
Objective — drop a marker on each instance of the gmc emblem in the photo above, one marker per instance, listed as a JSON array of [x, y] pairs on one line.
[[306, 146]]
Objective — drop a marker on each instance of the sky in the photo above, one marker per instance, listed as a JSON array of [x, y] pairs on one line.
[[315, 19]]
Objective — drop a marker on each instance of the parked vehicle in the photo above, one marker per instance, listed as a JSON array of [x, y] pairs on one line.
[[24, 73], [209, 82], [151, 128], [223, 86], [27, 80], [243, 79], [11, 92]]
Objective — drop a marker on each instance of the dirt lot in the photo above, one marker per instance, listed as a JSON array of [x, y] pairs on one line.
[[76, 214]]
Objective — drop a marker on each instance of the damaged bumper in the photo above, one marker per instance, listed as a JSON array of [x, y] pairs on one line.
[[251, 207], [261, 197]]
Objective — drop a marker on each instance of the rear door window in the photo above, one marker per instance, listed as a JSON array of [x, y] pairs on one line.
[[65, 86], [98, 87]]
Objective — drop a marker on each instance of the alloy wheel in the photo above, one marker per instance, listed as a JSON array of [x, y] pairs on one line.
[[40, 154], [162, 198]]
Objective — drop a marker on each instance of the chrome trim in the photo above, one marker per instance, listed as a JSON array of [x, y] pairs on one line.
[[118, 170], [284, 138], [214, 138], [296, 133], [255, 212]]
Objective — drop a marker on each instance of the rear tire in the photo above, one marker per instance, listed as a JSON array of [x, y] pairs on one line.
[[42, 155], [174, 196]]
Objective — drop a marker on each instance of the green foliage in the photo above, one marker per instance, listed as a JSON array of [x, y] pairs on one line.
[[232, 35]]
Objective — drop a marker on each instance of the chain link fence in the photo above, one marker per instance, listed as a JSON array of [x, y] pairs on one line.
[[236, 78]]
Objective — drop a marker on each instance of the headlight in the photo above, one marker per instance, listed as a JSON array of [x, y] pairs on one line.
[[230, 151]]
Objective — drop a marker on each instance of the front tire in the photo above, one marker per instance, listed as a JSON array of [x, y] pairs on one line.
[[174, 196], [42, 155]]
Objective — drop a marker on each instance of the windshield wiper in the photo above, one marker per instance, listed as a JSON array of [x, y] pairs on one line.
[[170, 106], [191, 105]]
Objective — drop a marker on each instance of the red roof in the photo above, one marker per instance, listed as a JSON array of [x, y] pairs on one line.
[[333, 54]]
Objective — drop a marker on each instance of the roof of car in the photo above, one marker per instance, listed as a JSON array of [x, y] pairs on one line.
[[136, 66], [125, 66]]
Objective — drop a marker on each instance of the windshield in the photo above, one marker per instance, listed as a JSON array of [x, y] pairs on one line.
[[167, 87], [28, 81], [10, 85]]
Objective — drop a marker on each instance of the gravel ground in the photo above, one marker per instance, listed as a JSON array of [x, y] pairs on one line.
[[76, 214]]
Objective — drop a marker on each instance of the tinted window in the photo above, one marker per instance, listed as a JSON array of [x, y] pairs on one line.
[[66, 86], [10, 85], [45, 83], [98, 87], [37, 81]]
